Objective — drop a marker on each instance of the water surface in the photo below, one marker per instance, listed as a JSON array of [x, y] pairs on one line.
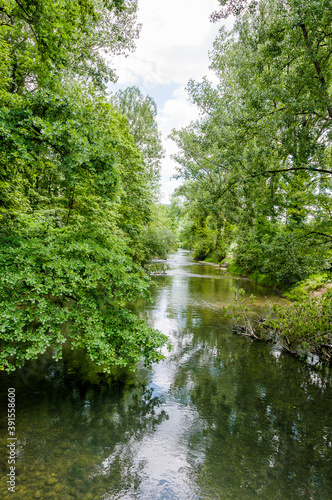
[[222, 417]]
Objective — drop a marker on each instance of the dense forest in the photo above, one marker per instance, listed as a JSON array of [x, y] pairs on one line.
[[79, 171], [80, 168], [179, 350], [257, 165]]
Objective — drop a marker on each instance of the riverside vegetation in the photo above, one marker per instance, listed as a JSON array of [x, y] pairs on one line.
[[257, 165], [79, 170]]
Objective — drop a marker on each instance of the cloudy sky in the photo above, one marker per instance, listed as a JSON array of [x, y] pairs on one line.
[[173, 47]]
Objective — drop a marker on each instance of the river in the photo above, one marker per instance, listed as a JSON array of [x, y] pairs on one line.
[[221, 418]]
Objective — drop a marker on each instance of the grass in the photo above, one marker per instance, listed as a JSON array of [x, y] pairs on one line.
[[304, 289]]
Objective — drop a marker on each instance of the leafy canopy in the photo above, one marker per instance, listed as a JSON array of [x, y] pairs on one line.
[[257, 165], [74, 190]]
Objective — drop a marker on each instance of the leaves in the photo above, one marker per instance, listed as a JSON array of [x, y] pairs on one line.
[[49, 38], [302, 327], [141, 112], [74, 193], [258, 160], [71, 282]]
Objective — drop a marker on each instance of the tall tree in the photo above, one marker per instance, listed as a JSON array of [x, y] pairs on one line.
[[49, 38], [141, 112], [70, 173], [270, 121]]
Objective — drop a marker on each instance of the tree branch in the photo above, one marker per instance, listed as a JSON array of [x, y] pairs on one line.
[[318, 68], [309, 169]]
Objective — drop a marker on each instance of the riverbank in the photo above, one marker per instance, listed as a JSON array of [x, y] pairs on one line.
[[302, 326], [314, 286], [235, 270]]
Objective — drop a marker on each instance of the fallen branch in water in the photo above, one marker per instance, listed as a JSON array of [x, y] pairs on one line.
[[301, 328]]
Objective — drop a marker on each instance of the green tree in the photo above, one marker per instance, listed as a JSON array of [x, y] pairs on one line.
[[261, 151], [159, 236], [74, 192], [49, 38], [141, 112]]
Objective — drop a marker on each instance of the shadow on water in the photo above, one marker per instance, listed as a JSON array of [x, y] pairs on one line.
[[72, 432], [221, 417]]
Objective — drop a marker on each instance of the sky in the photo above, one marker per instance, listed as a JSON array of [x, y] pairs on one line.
[[173, 47]]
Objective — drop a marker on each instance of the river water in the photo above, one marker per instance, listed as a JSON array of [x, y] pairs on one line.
[[221, 418]]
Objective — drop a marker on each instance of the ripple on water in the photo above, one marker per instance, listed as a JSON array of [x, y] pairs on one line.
[[221, 417]]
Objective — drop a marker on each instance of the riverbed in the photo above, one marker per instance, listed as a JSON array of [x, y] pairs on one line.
[[222, 417]]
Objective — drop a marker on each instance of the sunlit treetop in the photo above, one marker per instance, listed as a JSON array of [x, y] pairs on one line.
[[48, 36]]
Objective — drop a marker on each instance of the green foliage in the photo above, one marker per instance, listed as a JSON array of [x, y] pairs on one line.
[[65, 263], [237, 269], [303, 289], [158, 242], [304, 327], [249, 251], [48, 38], [201, 249], [4, 63], [141, 112], [258, 161], [71, 282], [201, 232], [284, 257], [158, 238], [74, 193], [306, 323], [285, 261]]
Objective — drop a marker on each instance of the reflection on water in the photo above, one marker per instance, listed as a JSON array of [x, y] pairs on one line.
[[222, 417]]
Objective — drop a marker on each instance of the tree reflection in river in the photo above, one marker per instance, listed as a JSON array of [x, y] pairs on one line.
[[76, 438], [262, 418], [221, 417], [258, 430]]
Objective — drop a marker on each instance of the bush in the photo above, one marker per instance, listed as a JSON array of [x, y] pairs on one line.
[[283, 257], [287, 260], [158, 242], [306, 324], [249, 253], [304, 327], [202, 249]]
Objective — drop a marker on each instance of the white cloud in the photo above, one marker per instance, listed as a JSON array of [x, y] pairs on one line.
[[176, 113], [173, 44], [172, 48]]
